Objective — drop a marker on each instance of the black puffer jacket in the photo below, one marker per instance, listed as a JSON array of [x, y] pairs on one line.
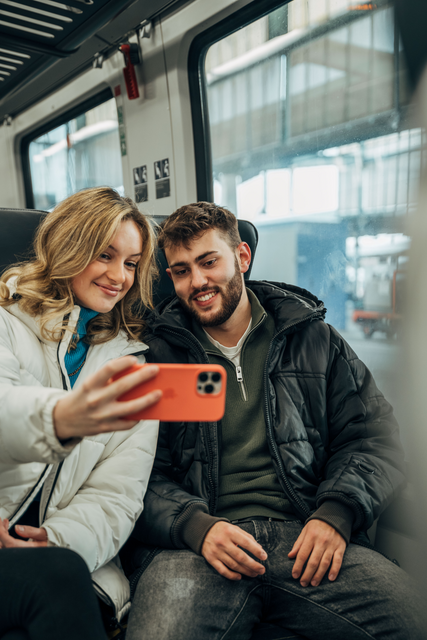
[[331, 433]]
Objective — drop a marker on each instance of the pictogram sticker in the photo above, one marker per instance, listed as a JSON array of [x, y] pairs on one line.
[[162, 178], [140, 177]]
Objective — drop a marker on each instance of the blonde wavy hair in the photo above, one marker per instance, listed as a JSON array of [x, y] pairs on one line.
[[69, 238]]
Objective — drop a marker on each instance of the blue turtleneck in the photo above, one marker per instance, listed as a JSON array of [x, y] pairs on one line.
[[75, 358]]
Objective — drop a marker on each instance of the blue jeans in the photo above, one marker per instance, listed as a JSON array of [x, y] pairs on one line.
[[181, 597]]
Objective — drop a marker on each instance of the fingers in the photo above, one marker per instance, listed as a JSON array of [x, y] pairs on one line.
[[101, 377], [5, 538], [318, 563], [99, 398], [224, 571], [128, 382], [4, 524], [37, 534], [318, 548], [233, 565], [302, 555], [7, 542], [248, 542], [111, 415], [134, 406], [336, 564], [225, 547], [239, 561], [297, 546]]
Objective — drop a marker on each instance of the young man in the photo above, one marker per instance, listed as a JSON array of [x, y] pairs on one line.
[[250, 519]]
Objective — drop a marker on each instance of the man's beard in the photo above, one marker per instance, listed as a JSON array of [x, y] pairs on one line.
[[230, 300]]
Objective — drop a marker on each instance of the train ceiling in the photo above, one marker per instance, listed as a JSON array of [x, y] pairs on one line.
[[45, 43]]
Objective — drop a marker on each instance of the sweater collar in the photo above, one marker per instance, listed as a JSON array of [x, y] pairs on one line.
[[85, 317], [257, 313]]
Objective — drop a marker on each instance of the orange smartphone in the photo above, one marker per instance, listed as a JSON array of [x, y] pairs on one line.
[[191, 392]]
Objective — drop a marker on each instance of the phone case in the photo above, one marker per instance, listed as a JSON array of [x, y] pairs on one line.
[[187, 395]]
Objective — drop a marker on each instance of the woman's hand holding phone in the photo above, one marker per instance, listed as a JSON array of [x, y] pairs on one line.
[[93, 407]]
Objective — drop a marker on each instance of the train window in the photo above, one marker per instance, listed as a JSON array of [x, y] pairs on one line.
[[311, 141], [82, 152]]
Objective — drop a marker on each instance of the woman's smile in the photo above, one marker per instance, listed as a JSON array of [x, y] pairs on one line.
[[108, 290]]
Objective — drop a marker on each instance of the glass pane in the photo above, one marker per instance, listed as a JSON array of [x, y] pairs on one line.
[[84, 152], [310, 142]]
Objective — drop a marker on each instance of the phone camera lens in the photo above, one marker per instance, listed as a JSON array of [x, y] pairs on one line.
[[209, 388], [216, 377], [203, 377]]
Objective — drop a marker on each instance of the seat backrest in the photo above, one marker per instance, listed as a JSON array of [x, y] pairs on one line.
[[17, 229], [163, 288]]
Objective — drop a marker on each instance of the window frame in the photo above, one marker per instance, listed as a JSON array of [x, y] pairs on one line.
[[198, 91], [96, 100]]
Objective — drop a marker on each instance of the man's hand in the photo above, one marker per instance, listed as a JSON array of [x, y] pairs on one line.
[[321, 545], [38, 537], [94, 408], [221, 549]]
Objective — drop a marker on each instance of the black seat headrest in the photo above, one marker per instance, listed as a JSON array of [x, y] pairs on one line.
[[18, 227], [17, 230], [163, 288]]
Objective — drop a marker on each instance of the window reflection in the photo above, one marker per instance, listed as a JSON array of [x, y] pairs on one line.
[[84, 152]]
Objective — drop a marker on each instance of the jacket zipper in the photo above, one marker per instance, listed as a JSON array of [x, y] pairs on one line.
[[29, 494], [64, 380], [113, 622], [64, 384], [239, 370], [239, 374], [58, 470]]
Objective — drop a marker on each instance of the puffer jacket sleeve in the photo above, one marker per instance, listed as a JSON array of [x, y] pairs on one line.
[[168, 507], [365, 465], [100, 517], [26, 425]]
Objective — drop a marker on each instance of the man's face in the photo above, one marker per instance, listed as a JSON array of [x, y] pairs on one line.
[[207, 277]]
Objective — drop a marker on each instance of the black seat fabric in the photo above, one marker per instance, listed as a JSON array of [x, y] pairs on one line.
[[17, 229], [16, 634], [163, 288]]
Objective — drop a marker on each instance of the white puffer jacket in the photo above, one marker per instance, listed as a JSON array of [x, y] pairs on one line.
[[93, 489]]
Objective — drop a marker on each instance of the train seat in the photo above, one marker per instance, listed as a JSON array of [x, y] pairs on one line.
[[17, 232]]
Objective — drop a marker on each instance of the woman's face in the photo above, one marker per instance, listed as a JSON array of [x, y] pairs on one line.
[[107, 279]]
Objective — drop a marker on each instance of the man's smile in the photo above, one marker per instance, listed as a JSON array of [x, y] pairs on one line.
[[205, 297]]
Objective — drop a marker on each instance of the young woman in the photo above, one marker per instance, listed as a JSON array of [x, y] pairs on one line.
[[73, 469]]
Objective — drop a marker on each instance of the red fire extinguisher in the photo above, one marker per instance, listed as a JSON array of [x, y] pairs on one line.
[[131, 55]]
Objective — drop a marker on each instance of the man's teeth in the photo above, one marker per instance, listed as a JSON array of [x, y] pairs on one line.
[[208, 296]]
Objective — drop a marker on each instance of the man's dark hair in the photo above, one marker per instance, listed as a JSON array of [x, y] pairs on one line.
[[193, 220]]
